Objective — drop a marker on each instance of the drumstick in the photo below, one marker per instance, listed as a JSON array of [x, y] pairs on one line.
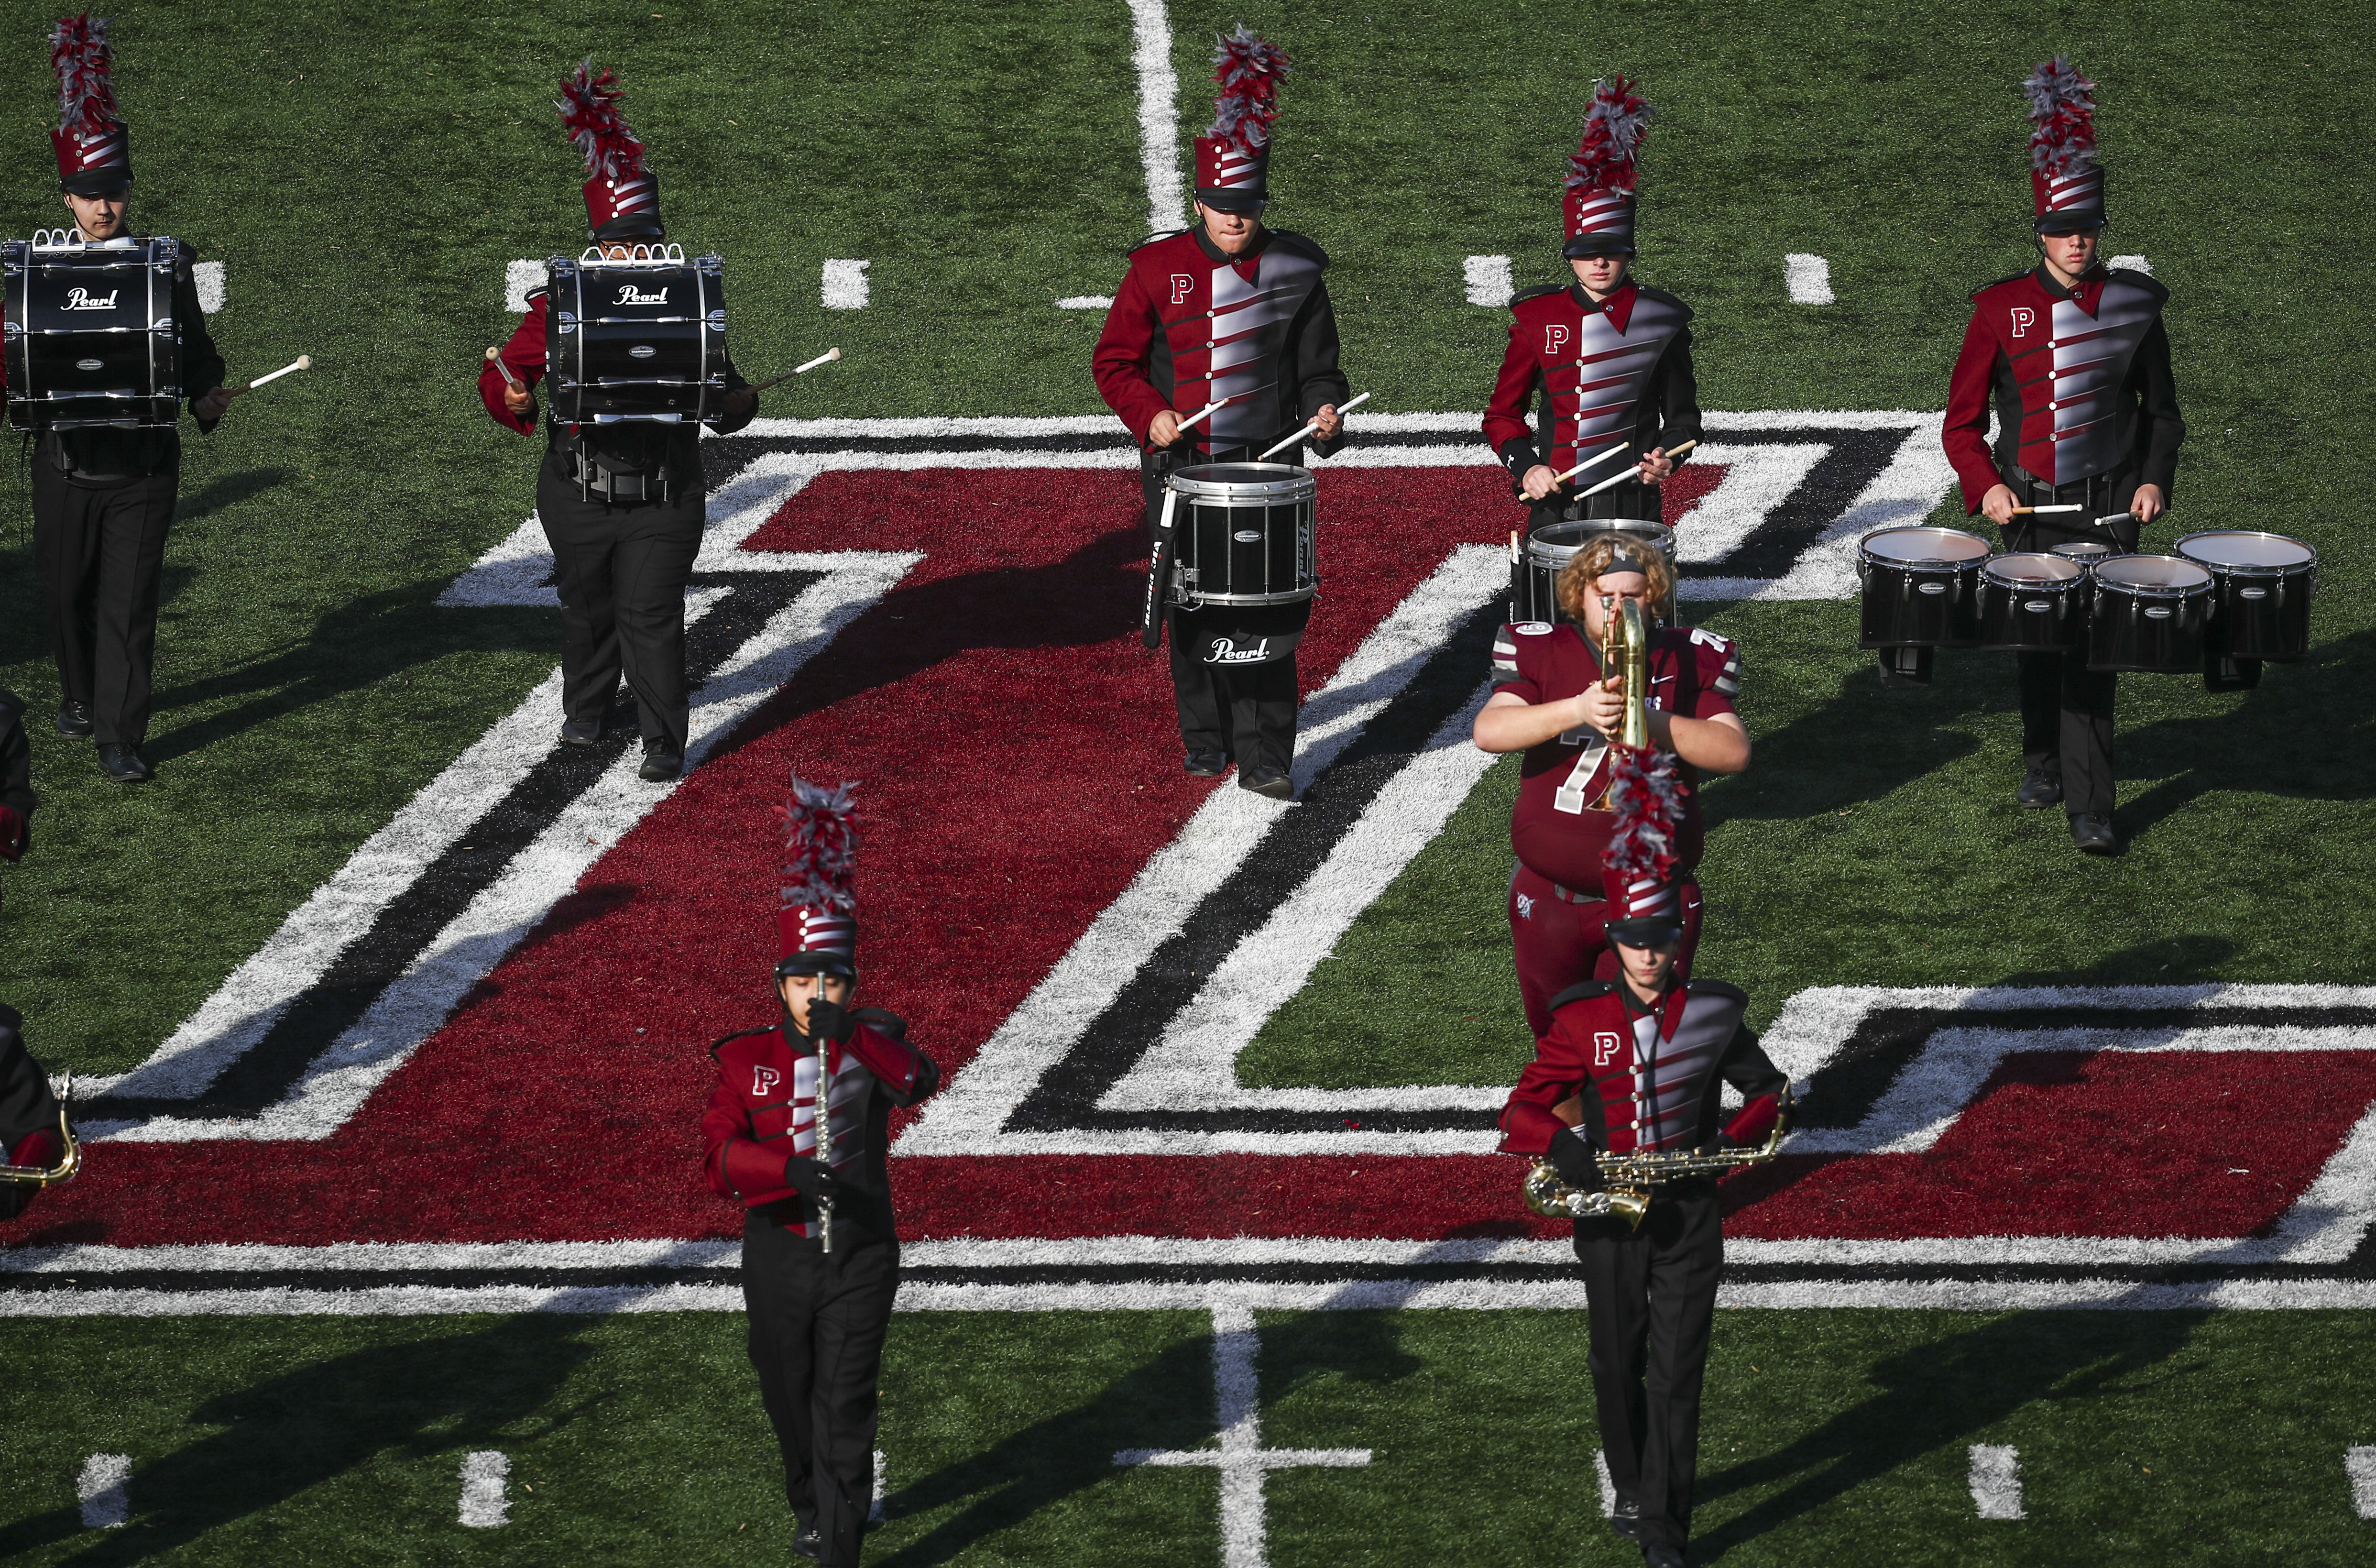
[[496, 358], [2116, 517], [1603, 456], [826, 358], [1613, 480], [1342, 409], [1200, 413], [2046, 511], [302, 361]]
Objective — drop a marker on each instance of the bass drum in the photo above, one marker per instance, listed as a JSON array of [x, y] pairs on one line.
[[2263, 582], [1533, 596], [1244, 534], [1920, 587], [91, 341], [2032, 604], [636, 341], [2151, 615]]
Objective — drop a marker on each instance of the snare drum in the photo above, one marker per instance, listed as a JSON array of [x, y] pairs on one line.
[[2151, 615], [1243, 534], [2263, 582], [1921, 587], [1533, 579], [2032, 604]]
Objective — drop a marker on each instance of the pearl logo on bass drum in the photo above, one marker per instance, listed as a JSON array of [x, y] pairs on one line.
[[81, 299], [1226, 650], [630, 295]]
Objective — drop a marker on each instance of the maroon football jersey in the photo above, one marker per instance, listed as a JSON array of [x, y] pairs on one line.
[[1556, 829]]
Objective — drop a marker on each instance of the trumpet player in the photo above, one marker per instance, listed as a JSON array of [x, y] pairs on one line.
[[1554, 700], [1630, 1067]]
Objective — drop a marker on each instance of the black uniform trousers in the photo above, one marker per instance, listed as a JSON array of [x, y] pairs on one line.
[[101, 552], [1651, 1295], [817, 1323], [2066, 709], [620, 571], [1245, 711]]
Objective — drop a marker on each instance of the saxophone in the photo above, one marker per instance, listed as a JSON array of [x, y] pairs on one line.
[[1632, 1178], [69, 1163]]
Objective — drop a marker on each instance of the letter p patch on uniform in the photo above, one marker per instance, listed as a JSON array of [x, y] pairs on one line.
[[1555, 336], [1183, 286], [2021, 316], [763, 1079], [1606, 1044]]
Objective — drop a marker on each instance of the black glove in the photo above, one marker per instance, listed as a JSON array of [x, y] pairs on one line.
[[830, 1020], [1572, 1158], [811, 1178]]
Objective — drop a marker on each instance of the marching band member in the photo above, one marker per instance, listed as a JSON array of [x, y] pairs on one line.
[[1608, 360], [16, 800], [622, 504], [104, 498], [1232, 313], [1636, 1066], [2075, 359], [1552, 701], [29, 1114], [820, 1250]]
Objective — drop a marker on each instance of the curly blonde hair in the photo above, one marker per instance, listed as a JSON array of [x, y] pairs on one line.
[[1589, 565]]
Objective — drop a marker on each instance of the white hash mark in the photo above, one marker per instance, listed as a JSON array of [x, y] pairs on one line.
[[1996, 1481], [485, 1504], [104, 1487]]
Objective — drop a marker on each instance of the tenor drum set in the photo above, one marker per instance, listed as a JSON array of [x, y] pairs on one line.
[[2224, 601]]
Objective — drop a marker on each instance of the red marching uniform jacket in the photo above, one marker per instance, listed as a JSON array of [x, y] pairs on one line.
[[1190, 327], [1630, 1081], [1554, 829], [1617, 371], [762, 1109], [2079, 379]]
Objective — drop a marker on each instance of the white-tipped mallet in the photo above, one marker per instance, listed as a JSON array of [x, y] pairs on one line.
[[496, 358], [1613, 480], [302, 361], [826, 358], [1342, 409], [1600, 457]]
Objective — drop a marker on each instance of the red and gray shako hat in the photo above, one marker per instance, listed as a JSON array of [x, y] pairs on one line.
[[1233, 158], [94, 147], [1638, 870], [2066, 181], [623, 197], [1599, 200], [816, 928]]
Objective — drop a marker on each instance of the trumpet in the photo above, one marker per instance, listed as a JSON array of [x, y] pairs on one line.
[[69, 1163], [1625, 653], [1633, 1178]]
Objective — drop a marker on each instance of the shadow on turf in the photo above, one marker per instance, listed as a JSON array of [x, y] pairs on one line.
[[1940, 1394], [418, 1399], [1167, 1403], [359, 645], [1862, 745], [229, 490]]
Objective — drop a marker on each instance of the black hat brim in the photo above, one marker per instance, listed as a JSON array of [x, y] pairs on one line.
[[1233, 201], [1646, 931], [633, 226], [1597, 244], [815, 964], [97, 181], [2070, 223]]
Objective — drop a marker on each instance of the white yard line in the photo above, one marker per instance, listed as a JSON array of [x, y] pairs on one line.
[[485, 1504], [1159, 116], [1486, 280], [1995, 1481], [1806, 279]]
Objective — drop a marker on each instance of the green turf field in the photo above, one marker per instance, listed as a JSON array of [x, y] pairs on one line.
[[365, 172]]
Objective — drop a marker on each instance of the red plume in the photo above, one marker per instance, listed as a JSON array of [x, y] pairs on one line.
[[820, 847], [1613, 129], [1249, 68], [79, 54], [590, 110]]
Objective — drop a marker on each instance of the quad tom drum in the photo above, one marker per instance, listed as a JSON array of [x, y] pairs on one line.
[[2032, 604], [2263, 583], [1920, 587], [2151, 615]]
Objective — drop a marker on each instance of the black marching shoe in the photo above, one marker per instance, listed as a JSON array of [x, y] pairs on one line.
[[2092, 831], [74, 720], [809, 1544], [1662, 1557], [1207, 765], [662, 762], [2040, 787], [585, 732], [125, 764], [1626, 1519], [1267, 781]]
